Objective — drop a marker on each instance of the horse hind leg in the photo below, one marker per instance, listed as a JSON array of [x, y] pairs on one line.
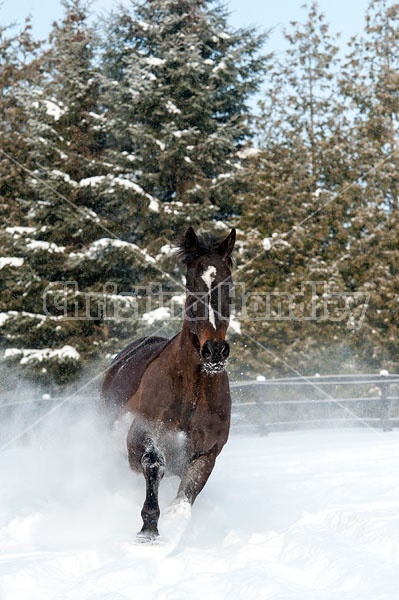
[[153, 467]]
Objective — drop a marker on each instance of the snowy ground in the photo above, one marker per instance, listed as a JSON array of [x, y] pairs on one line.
[[301, 516]]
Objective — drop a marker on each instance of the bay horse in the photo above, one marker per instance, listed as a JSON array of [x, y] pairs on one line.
[[178, 390]]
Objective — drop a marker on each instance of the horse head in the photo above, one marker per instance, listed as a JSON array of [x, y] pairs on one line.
[[209, 284]]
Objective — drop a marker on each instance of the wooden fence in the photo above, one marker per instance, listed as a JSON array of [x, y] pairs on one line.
[[278, 404], [319, 401]]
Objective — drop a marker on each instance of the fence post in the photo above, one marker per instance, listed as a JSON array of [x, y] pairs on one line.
[[261, 411], [386, 405]]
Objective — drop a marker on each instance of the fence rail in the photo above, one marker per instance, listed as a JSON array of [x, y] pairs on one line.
[[289, 403], [304, 402]]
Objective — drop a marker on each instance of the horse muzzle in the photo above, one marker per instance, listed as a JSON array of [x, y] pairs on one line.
[[214, 356]]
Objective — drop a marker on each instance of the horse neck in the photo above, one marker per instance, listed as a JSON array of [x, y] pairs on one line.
[[190, 379], [188, 349]]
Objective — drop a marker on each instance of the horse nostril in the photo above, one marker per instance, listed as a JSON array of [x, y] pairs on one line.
[[225, 350], [215, 352], [206, 351]]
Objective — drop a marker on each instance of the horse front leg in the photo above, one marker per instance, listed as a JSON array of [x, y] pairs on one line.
[[153, 464], [146, 456], [195, 475]]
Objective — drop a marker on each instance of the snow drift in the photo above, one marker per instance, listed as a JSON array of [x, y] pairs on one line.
[[301, 516]]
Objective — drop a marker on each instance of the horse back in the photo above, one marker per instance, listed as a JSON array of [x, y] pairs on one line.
[[124, 375]]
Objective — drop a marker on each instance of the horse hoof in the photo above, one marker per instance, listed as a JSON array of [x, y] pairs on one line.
[[147, 535]]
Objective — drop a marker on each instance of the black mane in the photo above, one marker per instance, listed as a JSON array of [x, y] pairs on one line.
[[207, 244]]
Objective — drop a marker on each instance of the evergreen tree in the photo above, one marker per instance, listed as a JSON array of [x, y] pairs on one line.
[[128, 146], [327, 173], [19, 69], [370, 82], [71, 247], [296, 230], [178, 81], [107, 182], [20, 65]]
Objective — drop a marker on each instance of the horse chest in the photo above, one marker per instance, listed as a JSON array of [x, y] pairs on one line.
[[184, 403], [204, 417]]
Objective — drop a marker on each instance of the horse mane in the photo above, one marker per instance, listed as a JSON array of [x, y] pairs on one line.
[[207, 244]]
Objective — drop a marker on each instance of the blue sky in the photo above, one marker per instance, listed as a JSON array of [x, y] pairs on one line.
[[346, 16]]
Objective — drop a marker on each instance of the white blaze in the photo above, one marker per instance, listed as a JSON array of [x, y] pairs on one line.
[[207, 277]]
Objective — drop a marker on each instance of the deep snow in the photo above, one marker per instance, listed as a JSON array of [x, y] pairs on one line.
[[296, 515]]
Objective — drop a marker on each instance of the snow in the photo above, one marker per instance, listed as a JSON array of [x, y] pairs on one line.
[[179, 299], [93, 250], [129, 185], [235, 324], [64, 176], [111, 180], [181, 132], [90, 214], [17, 232], [35, 355], [97, 180], [220, 67], [11, 261], [293, 516], [267, 243], [167, 250], [93, 181], [53, 109], [153, 205], [172, 108], [158, 314], [155, 62], [97, 116], [223, 35], [248, 152], [4, 316], [145, 26], [46, 246], [161, 145]]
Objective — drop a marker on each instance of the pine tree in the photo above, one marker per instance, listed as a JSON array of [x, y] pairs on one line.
[[177, 84], [71, 247], [19, 68], [295, 214], [20, 65], [109, 182], [178, 80], [370, 82]]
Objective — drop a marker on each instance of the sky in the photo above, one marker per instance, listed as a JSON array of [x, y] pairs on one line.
[[344, 16]]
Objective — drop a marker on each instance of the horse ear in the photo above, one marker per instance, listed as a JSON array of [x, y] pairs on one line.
[[226, 247], [190, 240]]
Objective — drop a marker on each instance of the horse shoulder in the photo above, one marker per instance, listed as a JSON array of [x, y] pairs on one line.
[[155, 387]]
